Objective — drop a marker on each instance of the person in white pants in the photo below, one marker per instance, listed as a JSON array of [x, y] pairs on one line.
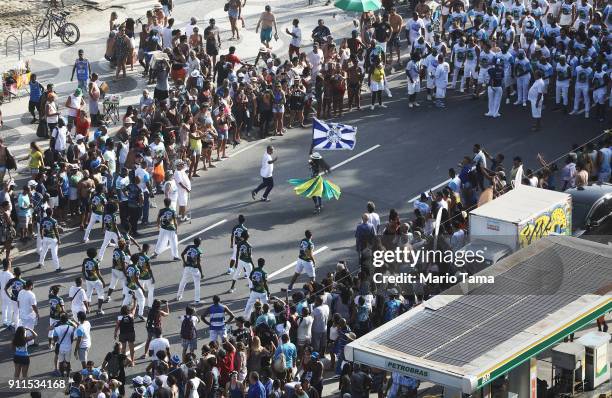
[[536, 98], [168, 230], [472, 53], [12, 289], [183, 185], [458, 57], [134, 288], [522, 72], [171, 189], [147, 280], [98, 204], [111, 231], [7, 308], [563, 74], [413, 79], [600, 87], [93, 278], [495, 90], [28, 308], [121, 259], [583, 75], [50, 240], [244, 261], [78, 298], [259, 287], [192, 269]]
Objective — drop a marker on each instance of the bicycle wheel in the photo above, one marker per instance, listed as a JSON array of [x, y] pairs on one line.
[[69, 34], [43, 29]]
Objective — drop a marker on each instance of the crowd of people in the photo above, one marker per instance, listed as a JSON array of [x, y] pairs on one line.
[[203, 101]]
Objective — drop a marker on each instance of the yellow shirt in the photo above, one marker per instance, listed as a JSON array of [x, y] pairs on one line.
[[378, 74], [36, 160]]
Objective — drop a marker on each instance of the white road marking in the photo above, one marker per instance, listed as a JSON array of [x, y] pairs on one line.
[[430, 189], [139, 346], [198, 233], [286, 267], [355, 157]]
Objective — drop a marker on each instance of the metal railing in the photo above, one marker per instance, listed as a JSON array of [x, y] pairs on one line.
[[34, 40], [6, 48]]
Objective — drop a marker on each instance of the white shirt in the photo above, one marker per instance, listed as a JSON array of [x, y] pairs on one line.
[[172, 190], [315, 59], [536, 89], [60, 138], [374, 219], [159, 344], [5, 276], [111, 159], [180, 177], [144, 177], [59, 332], [296, 39], [304, 331], [266, 167], [167, 37], [189, 29], [441, 75], [78, 298], [26, 299], [84, 331], [75, 105]]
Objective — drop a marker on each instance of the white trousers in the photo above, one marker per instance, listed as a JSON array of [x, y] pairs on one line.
[[140, 299], [193, 274], [242, 267], [15, 311], [7, 309], [49, 244], [149, 286], [582, 92], [117, 276], [599, 96], [495, 96], [561, 91], [94, 218], [108, 237], [94, 285], [253, 297], [522, 87], [167, 238]]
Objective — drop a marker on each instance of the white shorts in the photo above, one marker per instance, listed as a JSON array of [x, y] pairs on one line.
[[52, 322], [430, 82], [445, 10], [377, 86], [233, 257], [536, 111], [469, 70], [54, 201], [415, 87], [218, 335], [63, 356], [440, 92], [306, 267], [183, 197], [483, 76], [599, 96]]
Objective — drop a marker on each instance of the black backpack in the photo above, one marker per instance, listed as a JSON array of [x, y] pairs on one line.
[[265, 333], [188, 330]]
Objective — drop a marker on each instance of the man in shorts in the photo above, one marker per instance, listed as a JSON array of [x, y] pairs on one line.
[[396, 22], [305, 261], [267, 21]]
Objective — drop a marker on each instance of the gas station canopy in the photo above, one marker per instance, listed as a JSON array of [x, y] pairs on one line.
[[472, 334]]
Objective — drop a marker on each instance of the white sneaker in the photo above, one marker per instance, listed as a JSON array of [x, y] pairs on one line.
[[383, 106], [586, 115], [428, 97], [179, 298], [410, 105], [507, 101], [112, 244], [516, 103], [229, 271], [416, 104], [488, 114], [371, 107], [85, 240], [573, 112], [230, 291], [524, 104], [496, 116], [462, 90]]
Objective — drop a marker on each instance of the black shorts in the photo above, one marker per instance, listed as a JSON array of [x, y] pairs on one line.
[[127, 338], [212, 50], [33, 106], [21, 360], [160, 95]]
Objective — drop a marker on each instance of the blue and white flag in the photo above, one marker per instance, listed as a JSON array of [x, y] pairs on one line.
[[333, 136]]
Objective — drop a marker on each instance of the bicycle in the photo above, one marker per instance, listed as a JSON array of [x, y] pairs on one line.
[[68, 32]]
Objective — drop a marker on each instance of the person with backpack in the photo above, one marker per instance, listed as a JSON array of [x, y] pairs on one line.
[[124, 329], [285, 358], [154, 325], [361, 320], [393, 306], [114, 365], [189, 333]]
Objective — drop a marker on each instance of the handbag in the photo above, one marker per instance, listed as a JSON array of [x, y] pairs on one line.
[[279, 364], [11, 164]]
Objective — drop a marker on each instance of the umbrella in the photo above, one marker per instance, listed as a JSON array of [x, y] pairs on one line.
[[358, 5]]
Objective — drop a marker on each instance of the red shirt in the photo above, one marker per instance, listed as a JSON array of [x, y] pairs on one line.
[[82, 126], [226, 366], [233, 58]]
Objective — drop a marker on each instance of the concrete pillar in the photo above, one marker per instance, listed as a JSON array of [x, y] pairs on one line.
[[520, 380]]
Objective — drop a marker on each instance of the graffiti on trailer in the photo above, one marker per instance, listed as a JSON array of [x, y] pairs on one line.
[[557, 221]]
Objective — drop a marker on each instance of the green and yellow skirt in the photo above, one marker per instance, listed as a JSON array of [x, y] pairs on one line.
[[316, 186]]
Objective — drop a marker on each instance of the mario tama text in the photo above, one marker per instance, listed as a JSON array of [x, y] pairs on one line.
[[429, 279]]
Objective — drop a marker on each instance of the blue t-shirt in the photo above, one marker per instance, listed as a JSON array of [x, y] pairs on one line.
[[36, 91], [256, 391], [290, 353]]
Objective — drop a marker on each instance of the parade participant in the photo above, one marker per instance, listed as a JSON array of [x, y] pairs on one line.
[[563, 78], [7, 307], [601, 80], [12, 289], [111, 230], [216, 324], [266, 171], [98, 204], [583, 74], [259, 287], [171, 189], [147, 279], [522, 73], [93, 277], [486, 61], [50, 240], [396, 22], [56, 309], [28, 309], [134, 288], [135, 202], [472, 52], [306, 261], [430, 63], [168, 231], [536, 98], [458, 53], [78, 298], [82, 67], [184, 188], [121, 260], [243, 259], [316, 187], [414, 79], [235, 238], [495, 91], [441, 80], [192, 269]]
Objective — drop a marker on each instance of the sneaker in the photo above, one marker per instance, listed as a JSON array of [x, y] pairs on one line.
[[516, 103], [290, 288], [85, 240], [101, 312], [230, 291], [462, 90], [60, 269], [186, 218], [112, 244], [107, 299], [141, 318], [39, 266], [428, 97], [507, 101], [410, 105], [416, 104], [524, 104], [573, 112], [497, 115], [176, 259], [586, 115], [229, 271], [371, 107], [383, 105], [264, 200], [154, 256], [179, 298], [488, 114]]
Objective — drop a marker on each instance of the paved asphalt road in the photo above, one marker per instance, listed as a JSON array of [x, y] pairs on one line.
[[409, 151]]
